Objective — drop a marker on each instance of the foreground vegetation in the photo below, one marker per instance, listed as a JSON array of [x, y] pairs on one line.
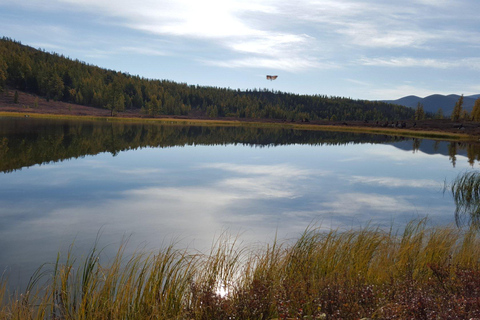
[[419, 273], [466, 194], [59, 78]]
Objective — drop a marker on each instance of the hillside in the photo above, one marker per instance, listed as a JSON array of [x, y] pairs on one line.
[[58, 78], [436, 101]]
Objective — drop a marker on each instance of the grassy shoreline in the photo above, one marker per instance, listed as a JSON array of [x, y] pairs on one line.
[[417, 273], [447, 136]]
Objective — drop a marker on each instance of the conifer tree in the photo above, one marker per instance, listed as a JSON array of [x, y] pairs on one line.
[[115, 98], [475, 115], [3, 73], [419, 112], [55, 87], [457, 110]]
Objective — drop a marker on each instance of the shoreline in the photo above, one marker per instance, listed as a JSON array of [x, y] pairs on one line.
[[30, 105], [348, 126]]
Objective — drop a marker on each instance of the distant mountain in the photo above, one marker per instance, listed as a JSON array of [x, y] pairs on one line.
[[408, 101], [436, 101]]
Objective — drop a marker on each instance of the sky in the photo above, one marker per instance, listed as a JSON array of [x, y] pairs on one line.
[[362, 49]]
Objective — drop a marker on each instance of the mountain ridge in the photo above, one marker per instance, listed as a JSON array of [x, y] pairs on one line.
[[434, 102]]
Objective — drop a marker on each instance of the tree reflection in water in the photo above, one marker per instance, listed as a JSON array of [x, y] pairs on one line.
[[26, 142]]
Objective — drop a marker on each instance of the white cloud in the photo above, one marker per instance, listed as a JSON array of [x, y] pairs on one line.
[[143, 51], [368, 34], [270, 44], [263, 31], [228, 24], [436, 3], [358, 82], [471, 63], [195, 19], [285, 64], [304, 36]]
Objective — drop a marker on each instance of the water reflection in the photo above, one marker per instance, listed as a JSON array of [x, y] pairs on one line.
[[25, 142], [159, 183]]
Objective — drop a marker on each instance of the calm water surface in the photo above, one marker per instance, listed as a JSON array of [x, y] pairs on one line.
[[64, 182]]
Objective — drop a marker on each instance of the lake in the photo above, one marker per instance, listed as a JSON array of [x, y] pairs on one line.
[[68, 183]]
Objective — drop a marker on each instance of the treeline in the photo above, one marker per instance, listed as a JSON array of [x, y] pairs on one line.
[[26, 142], [458, 113], [57, 77]]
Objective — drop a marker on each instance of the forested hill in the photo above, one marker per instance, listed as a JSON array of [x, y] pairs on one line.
[[56, 77]]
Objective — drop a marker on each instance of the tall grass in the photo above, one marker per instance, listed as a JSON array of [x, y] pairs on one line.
[[419, 272], [466, 194]]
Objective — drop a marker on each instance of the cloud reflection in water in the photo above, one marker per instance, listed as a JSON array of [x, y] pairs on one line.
[[194, 193]]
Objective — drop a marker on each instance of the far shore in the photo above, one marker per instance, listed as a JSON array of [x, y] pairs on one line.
[[444, 129]]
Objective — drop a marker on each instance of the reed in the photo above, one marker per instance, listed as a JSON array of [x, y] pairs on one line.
[[419, 272], [466, 194]]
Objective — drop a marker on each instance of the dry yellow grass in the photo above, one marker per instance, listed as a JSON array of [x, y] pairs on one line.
[[336, 274]]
